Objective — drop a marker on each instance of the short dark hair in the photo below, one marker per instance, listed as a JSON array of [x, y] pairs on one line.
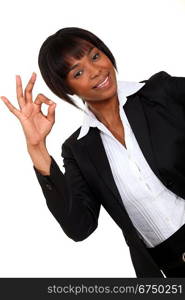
[[52, 60]]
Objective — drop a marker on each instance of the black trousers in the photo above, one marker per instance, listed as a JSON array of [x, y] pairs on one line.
[[170, 254]]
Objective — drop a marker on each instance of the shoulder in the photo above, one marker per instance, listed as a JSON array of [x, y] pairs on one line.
[[156, 78], [155, 85], [72, 139], [160, 75], [162, 83]]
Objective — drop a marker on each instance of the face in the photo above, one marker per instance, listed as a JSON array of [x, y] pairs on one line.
[[92, 77]]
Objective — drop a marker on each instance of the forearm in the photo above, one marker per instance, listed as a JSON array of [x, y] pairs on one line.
[[69, 199], [40, 157]]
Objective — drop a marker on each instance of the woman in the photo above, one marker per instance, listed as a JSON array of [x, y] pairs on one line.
[[127, 155]]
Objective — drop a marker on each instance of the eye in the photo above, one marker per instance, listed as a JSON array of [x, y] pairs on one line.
[[94, 57], [77, 74]]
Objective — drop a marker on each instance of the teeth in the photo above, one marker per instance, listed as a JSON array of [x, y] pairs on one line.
[[105, 81]]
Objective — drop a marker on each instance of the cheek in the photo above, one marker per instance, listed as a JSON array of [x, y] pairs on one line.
[[81, 87], [73, 85], [107, 62]]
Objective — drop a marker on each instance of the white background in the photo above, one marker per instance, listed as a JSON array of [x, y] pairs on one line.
[[145, 37]]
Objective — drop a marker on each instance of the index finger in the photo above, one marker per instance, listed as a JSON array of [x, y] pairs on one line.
[[43, 99]]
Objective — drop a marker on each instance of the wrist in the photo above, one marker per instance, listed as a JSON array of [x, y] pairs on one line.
[[38, 150], [37, 146], [40, 157]]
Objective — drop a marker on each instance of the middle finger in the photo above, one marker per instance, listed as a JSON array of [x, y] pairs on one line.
[[29, 88]]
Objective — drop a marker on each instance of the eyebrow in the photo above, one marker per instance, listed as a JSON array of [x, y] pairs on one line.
[[76, 65]]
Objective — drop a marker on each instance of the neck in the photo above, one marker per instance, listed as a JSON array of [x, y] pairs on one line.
[[107, 112]]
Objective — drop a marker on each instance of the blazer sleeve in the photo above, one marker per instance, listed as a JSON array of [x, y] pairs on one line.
[[69, 198]]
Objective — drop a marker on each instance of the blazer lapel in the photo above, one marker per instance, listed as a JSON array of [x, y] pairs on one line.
[[98, 157], [136, 117]]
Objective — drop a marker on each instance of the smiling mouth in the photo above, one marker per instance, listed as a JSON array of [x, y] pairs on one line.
[[104, 83]]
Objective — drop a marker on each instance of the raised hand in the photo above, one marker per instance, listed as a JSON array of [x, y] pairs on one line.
[[35, 124]]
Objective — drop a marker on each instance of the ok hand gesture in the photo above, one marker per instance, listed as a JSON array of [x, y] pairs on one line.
[[35, 124]]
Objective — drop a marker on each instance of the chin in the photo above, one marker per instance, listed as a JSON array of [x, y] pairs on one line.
[[110, 92]]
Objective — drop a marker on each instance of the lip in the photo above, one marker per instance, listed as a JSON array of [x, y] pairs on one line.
[[103, 83]]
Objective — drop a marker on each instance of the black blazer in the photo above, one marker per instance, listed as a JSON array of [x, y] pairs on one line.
[[156, 114]]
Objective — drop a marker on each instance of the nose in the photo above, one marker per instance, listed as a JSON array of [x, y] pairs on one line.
[[94, 71]]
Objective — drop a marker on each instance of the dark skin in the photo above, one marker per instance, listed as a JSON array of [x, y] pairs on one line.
[[93, 79], [91, 70]]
